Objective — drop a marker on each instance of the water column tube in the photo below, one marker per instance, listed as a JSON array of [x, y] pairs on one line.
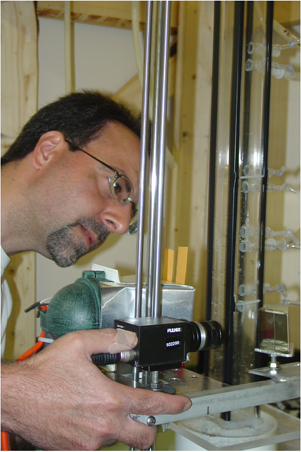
[[233, 189], [237, 312], [212, 169], [265, 145]]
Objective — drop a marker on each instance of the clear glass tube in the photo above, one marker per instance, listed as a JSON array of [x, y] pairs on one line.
[[251, 174]]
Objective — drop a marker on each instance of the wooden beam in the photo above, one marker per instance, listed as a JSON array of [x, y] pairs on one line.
[[115, 14], [131, 92]]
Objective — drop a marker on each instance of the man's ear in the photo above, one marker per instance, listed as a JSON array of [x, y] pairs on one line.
[[45, 147]]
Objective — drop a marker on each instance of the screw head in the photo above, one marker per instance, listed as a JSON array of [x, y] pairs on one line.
[[151, 420]]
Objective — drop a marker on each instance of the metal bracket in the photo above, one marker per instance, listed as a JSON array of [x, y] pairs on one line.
[[232, 398]]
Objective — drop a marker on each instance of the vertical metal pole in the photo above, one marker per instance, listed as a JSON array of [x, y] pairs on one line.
[[143, 154], [153, 190], [158, 159], [162, 110]]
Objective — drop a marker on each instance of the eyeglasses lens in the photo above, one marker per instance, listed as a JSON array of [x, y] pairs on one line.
[[121, 189]]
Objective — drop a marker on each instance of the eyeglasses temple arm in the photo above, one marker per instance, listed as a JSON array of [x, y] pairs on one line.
[[76, 148]]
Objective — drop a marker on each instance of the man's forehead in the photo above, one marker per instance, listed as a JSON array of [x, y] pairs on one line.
[[120, 136], [118, 127]]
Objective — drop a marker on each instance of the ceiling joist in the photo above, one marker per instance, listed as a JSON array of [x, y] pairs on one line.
[[115, 14]]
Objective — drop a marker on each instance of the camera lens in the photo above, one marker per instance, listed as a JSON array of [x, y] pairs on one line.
[[204, 335]]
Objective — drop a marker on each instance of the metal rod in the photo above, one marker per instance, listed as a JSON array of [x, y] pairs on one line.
[[233, 187], [143, 155], [152, 232], [164, 63], [158, 158]]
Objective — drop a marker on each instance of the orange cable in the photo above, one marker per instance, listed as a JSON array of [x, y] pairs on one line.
[[4, 441], [34, 349]]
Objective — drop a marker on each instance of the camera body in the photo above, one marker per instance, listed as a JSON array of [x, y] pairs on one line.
[[164, 343]]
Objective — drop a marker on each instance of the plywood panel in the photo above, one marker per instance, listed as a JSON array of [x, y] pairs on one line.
[[18, 103]]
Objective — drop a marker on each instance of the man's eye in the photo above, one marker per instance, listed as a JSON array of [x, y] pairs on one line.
[[117, 188]]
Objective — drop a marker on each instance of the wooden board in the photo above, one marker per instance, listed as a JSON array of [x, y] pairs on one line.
[[115, 14], [19, 102]]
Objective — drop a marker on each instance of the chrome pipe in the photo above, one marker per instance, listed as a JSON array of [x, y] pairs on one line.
[[164, 64], [152, 232], [145, 120], [158, 158]]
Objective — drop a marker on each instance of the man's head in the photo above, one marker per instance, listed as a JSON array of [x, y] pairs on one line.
[[65, 203], [79, 116]]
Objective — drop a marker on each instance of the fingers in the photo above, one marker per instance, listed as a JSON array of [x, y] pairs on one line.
[[138, 401], [98, 341], [144, 401], [137, 435], [123, 338]]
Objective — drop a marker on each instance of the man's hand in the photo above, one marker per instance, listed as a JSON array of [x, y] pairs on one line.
[[59, 400]]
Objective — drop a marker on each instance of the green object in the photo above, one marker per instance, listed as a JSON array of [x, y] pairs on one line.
[[76, 306]]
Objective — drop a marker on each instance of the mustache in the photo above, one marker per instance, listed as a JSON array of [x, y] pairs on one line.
[[99, 229], [62, 247]]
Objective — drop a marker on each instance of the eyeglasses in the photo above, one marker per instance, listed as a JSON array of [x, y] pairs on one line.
[[121, 188]]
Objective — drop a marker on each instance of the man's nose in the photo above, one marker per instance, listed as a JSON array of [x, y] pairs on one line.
[[116, 217]]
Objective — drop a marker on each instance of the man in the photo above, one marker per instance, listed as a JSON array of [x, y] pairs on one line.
[[70, 179]]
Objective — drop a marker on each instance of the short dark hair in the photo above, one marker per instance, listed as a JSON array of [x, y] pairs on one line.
[[79, 116]]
